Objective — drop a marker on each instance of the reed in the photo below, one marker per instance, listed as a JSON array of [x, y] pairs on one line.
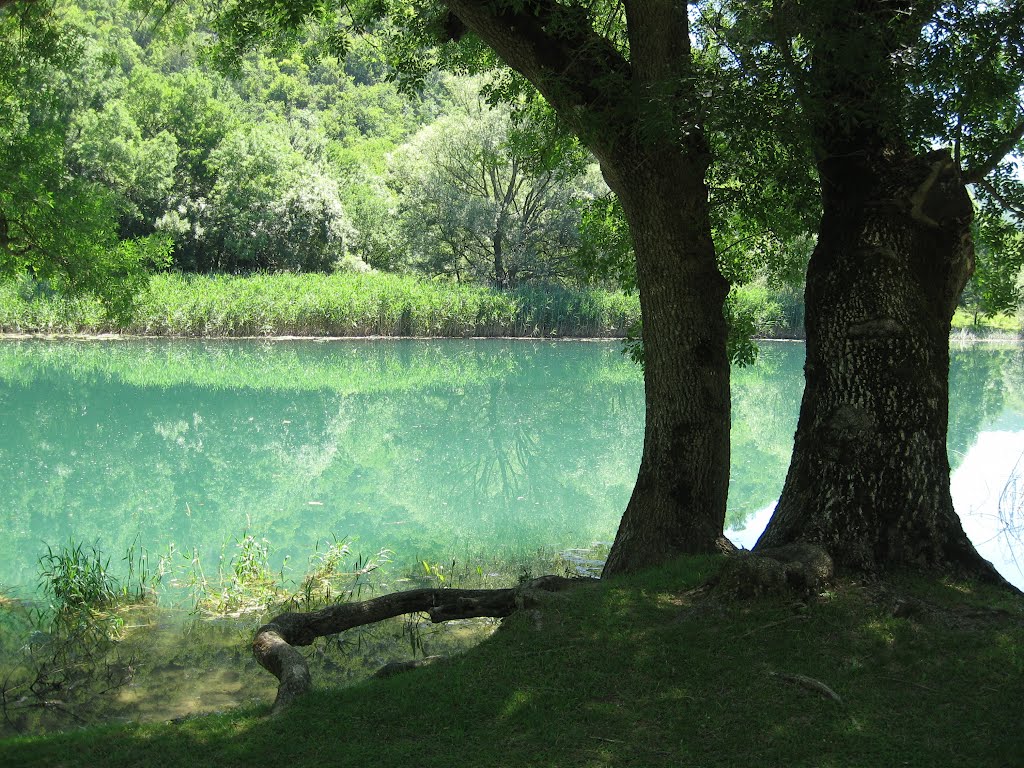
[[341, 304]]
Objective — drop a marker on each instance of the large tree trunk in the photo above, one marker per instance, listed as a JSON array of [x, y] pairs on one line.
[[640, 118], [678, 503], [869, 476]]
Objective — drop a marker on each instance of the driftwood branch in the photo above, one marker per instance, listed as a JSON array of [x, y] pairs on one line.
[[274, 645]]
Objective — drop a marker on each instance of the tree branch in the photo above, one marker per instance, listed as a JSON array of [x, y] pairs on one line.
[[1000, 198], [1002, 149], [659, 40], [783, 40], [274, 643], [10, 245], [580, 73]]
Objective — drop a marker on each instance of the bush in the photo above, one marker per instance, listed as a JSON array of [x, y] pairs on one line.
[[755, 307]]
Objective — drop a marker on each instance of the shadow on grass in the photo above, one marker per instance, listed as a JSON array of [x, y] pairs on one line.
[[641, 672]]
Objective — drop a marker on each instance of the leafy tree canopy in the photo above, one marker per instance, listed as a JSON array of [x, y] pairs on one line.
[[58, 226]]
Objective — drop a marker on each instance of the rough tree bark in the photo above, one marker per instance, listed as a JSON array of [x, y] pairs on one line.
[[274, 644], [640, 117], [869, 476], [678, 503]]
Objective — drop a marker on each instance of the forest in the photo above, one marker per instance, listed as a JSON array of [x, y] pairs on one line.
[[688, 175], [294, 163], [305, 162], [146, 153]]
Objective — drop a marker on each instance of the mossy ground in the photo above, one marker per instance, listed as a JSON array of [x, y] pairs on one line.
[[642, 671]]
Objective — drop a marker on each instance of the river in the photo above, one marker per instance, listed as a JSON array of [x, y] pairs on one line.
[[465, 450], [222, 464]]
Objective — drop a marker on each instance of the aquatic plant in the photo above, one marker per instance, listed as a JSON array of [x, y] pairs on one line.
[[76, 576], [248, 585], [59, 656]]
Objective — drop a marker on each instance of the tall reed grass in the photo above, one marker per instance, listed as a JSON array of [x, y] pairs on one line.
[[343, 304]]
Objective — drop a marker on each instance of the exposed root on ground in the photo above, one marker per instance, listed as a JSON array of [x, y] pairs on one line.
[[799, 569]]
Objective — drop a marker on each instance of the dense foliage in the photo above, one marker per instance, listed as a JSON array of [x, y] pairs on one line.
[[297, 162], [69, 167], [303, 159], [128, 146]]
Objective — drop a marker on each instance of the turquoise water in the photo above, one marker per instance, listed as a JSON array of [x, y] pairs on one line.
[[433, 450], [436, 450]]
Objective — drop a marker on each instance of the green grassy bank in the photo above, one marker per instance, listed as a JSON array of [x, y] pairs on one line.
[[994, 327], [639, 671], [343, 304], [380, 304]]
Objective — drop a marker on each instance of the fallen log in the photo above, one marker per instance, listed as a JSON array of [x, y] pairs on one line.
[[274, 644]]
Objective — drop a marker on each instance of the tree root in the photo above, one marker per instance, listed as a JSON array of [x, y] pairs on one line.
[[794, 569], [274, 643], [809, 683]]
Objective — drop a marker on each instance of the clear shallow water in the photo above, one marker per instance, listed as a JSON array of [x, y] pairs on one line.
[[433, 449]]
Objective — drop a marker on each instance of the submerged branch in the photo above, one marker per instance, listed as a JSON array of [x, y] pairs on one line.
[[274, 643]]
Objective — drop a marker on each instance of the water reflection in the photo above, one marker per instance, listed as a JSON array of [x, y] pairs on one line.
[[435, 450]]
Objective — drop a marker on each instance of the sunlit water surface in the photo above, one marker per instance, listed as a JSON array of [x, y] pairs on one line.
[[479, 452], [434, 450]]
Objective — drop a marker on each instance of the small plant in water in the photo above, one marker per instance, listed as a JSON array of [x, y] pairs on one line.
[[319, 583], [328, 580], [248, 585], [75, 577], [60, 656], [433, 571]]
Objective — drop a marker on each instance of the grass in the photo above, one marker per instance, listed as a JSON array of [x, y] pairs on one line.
[[342, 304], [638, 672], [381, 304]]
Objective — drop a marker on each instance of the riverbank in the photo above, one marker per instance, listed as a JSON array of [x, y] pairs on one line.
[[644, 671], [318, 305], [170, 638], [371, 305]]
